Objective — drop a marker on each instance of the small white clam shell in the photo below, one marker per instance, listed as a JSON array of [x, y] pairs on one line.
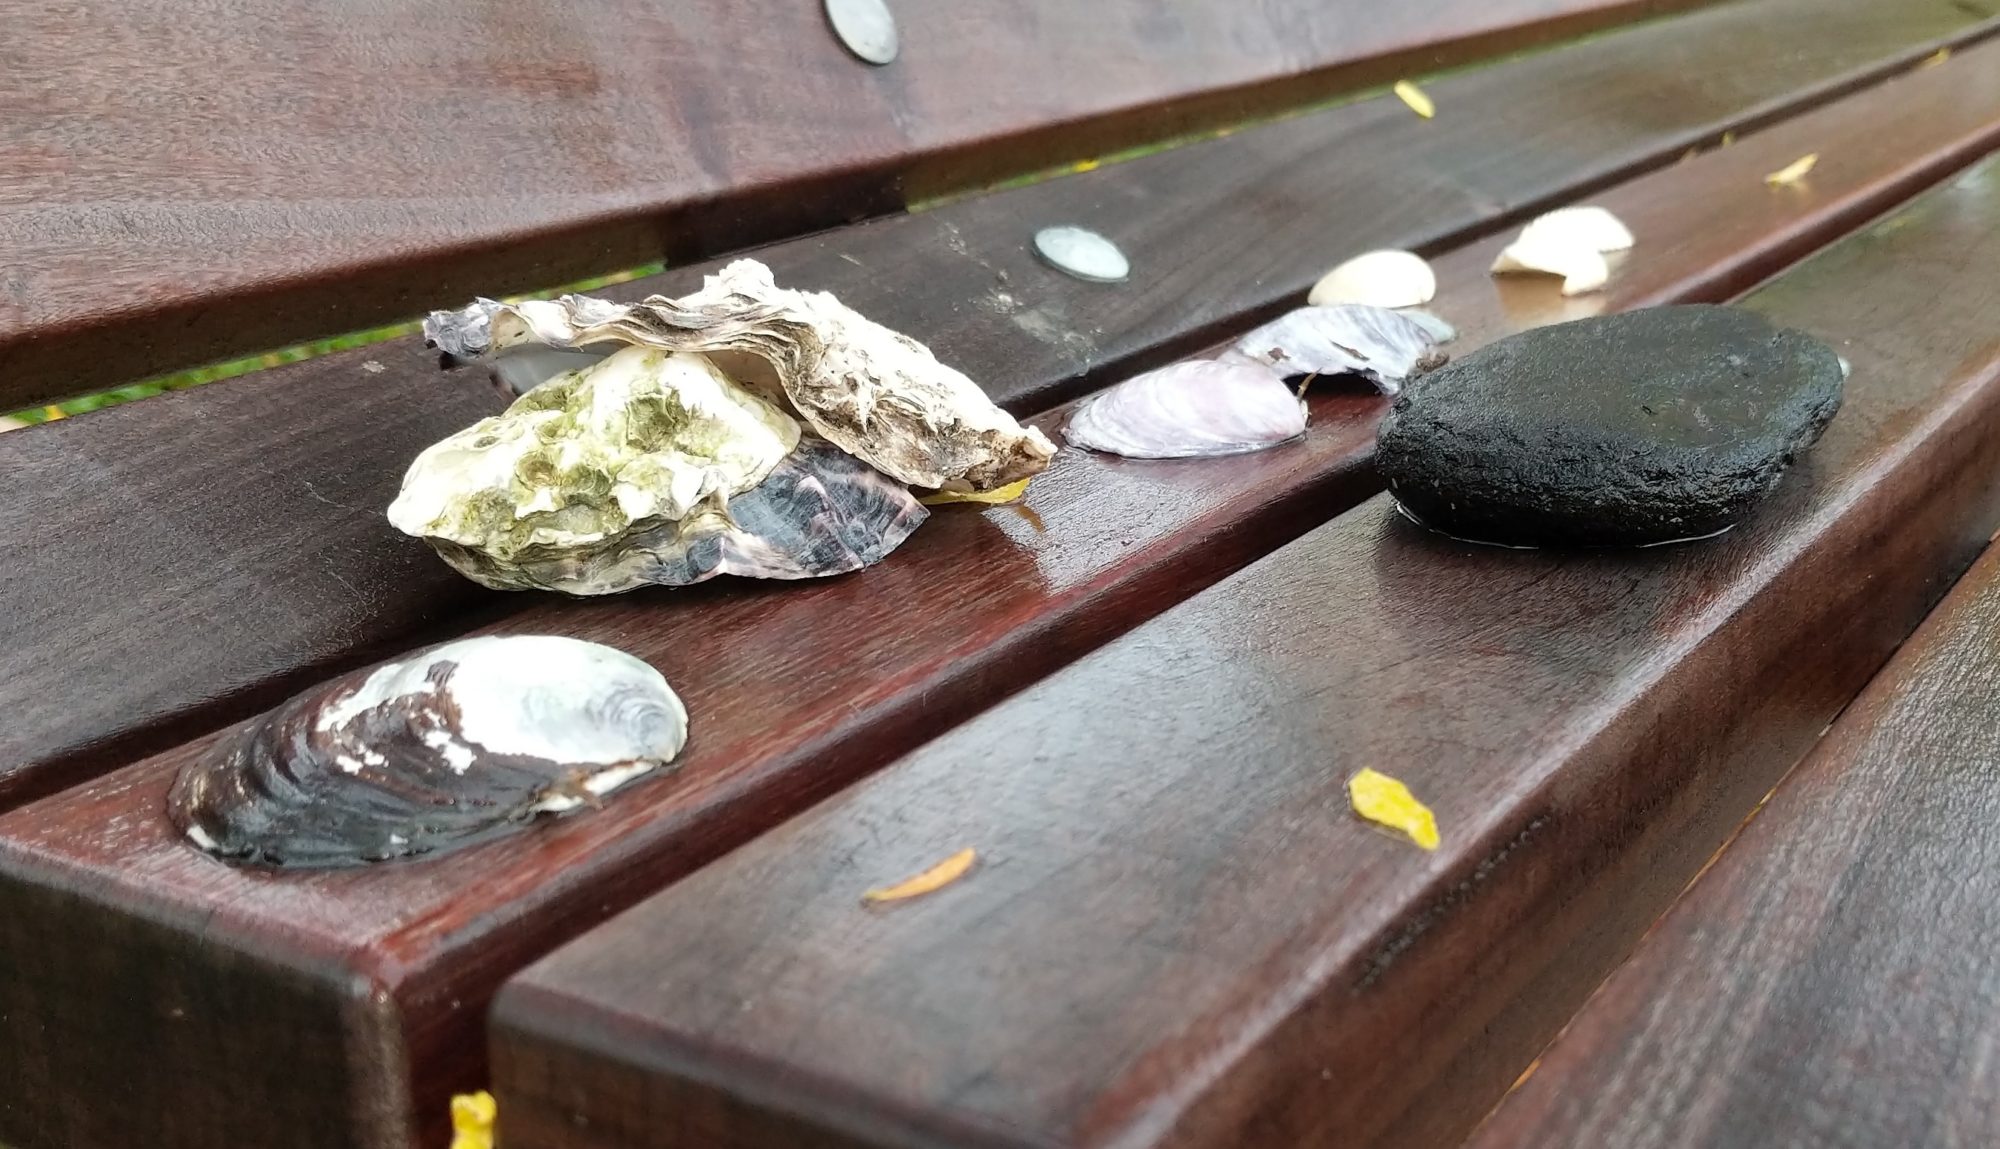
[[1592, 227], [1194, 408], [1385, 346], [1378, 279], [1582, 269]]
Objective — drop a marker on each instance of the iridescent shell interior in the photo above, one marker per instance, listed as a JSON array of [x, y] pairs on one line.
[[454, 744]]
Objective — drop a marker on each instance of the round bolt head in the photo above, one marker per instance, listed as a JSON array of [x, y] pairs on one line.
[[1082, 253], [867, 27]]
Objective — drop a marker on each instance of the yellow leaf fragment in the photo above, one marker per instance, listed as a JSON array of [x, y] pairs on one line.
[[1935, 58], [996, 496], [1728, 138], [1793, 172], [1418, 100], [472, 1117], [1085, 166], [1385, 801], [930, 881]]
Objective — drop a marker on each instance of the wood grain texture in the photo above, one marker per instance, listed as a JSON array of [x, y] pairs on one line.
[[364, 157], [1223, 232], [177, 558], [1179, 934], [836, 677], [1830, 980]]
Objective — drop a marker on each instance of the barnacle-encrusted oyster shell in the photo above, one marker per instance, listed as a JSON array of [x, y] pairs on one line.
[[452, 744], [821, 511], [874, 393], [642, 436]]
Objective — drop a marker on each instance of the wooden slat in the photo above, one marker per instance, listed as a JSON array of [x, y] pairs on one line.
[[1222, 233], [1829, 981], [833, 679], [1179, 934], [362, 159]]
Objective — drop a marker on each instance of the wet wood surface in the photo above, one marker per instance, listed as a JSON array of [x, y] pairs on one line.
[[1829, 980], [1178, 934], [364, 159], [265, 561], [834, 678]]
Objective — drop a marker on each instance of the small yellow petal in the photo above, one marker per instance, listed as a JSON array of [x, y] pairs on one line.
[[1006, 494], [1382, 799], [1085, 166], [1935, 58], [936, 878], [1793, 172], [472, 1119], [1728, 138], [1419, 102]]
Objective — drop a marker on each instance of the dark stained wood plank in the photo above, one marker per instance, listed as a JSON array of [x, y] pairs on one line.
[[1830, 980], [1240, 231], [175, 559], [836, 678], [363, 158], [1223, 233], [1179, 934]]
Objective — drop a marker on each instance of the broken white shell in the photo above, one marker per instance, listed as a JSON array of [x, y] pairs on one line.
[[1387, 347], [577, 464], [874, 393], [1441, 331], [1582, 269], [1377, 279], [1569, 242], [447, 746], [1592, 227], [1193, 408]]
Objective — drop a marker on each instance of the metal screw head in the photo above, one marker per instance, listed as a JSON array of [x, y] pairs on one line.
[[1082, 253], [867, 27]]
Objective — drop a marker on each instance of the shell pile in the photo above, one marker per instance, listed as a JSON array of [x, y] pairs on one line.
[[1239, 401], [671, 440], [453, 744]]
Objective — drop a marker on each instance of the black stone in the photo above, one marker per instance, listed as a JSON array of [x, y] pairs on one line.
[[1655, 425]]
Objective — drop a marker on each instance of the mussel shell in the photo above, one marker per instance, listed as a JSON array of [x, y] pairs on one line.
[[1199, 407], [454, 744], [820, 512], [1386, 347]]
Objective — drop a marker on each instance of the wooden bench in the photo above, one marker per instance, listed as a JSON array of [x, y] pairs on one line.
[[1829, 980], [1138, 701]]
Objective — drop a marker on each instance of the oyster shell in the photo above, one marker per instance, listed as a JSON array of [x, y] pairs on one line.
[[1198, 407], [875, 394], [1385, 346], [576, 463], [820, 512], [449, 745]]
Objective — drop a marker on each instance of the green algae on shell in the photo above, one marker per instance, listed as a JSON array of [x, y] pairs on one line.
[[576, 464], [820, 512]]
